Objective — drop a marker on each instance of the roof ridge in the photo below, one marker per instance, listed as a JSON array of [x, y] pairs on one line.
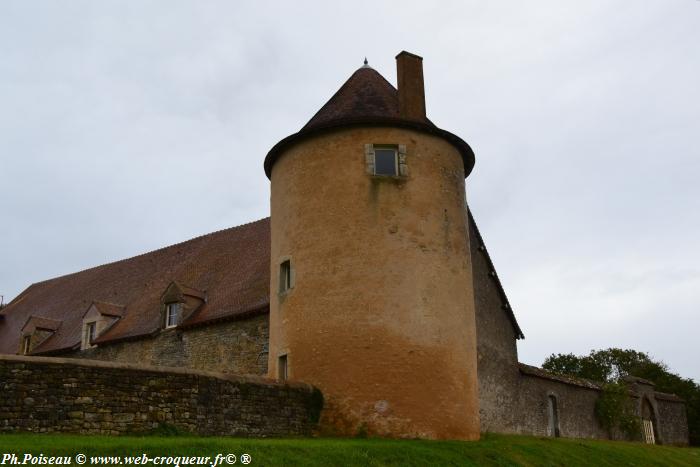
[[146, 253]]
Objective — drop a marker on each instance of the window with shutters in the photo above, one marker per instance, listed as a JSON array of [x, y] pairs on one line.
[[386, 160]]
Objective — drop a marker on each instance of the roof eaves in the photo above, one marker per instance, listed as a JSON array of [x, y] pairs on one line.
[[232, 316], [424, 127], [506, 304], [131, 337], [39, 352]]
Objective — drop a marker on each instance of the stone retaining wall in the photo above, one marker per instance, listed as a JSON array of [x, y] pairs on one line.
[[41, 394]]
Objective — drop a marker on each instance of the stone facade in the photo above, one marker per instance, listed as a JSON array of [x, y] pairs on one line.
[[515, 398], [384, 303], [390, 305], [42, 394], [234, 346], [497, 353]]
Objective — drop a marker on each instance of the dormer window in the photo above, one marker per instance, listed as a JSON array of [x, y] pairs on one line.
[[97, 320], [172, 314], [178, 303], [35, 332]]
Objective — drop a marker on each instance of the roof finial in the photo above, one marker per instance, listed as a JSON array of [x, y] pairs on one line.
[[366, 62]]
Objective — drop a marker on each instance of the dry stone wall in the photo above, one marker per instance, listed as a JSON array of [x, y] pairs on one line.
[[40, 394]]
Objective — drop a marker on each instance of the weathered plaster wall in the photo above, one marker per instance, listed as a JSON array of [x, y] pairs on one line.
[[42, 394], [381, 317], [497, 360], [238, 347]]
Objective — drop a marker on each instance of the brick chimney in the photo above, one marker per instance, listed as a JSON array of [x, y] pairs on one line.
[[409, 71]]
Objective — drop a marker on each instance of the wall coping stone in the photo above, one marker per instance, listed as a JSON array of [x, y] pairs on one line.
[[668, 397], [155, 369], [540, 373]]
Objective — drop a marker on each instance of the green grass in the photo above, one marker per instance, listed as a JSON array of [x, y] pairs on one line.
[[492, 450]]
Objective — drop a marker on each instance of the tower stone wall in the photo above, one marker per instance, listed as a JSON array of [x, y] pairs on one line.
[[381, 313]]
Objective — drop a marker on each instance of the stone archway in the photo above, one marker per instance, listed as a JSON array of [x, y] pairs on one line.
[[649, 422]]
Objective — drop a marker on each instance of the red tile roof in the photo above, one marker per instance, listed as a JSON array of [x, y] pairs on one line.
[[231, 266]]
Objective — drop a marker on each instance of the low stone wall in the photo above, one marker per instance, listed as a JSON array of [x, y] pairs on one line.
[[575, 407], [41, 394], [576, 401]]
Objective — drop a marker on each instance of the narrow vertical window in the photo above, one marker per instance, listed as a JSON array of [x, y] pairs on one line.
[[282, 368], [172, 312], [285, 276], [26, 344]]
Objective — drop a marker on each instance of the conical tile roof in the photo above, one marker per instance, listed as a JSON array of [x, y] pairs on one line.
[[365, 94], [365, 99]]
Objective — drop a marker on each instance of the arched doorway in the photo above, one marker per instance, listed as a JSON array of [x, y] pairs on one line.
[[648, 422], [553, 416]]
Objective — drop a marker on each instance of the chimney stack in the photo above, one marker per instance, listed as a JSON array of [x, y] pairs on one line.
[[409, 71]]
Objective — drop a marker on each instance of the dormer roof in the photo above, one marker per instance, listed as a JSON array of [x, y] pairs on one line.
[[40, 323], [107, 309], [177, 291]]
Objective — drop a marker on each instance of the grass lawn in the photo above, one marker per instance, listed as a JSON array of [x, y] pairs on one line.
[[500, 450]]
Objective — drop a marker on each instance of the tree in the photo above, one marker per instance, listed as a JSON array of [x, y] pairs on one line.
[[611, 365]]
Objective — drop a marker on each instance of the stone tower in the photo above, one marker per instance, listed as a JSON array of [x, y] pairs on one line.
[[371, 296]]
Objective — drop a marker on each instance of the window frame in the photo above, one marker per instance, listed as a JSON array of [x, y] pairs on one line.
[[286, 276], [169, 307], [90, 333], [283, 367], [401, 167], [26, 344], [395, 150]]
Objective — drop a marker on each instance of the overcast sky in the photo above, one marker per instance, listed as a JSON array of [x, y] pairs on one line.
[[128, 126]]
